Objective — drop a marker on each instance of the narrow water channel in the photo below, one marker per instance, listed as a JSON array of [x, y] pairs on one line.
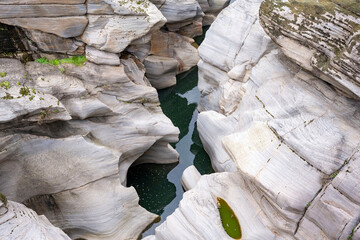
[[159, 186]]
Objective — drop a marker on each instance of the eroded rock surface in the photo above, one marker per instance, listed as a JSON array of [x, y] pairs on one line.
[[69, 133], [68, 139], [322, 37], [20, 222], [291, 140]]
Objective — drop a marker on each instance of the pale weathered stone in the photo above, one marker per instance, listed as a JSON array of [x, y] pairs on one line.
[[20, 222], [175, 46], [179, 11], [48, 10], [80, 209], [324, 41], [62, 26], [113, 33], [288, 132], [190, 177], [41, 2], [101, 57], [197, 216], [46, 42], [115, 122], [161, 71]]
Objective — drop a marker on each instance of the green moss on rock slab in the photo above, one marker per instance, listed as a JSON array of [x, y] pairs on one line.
[[76, 60]]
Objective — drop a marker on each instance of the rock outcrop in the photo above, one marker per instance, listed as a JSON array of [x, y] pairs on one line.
[[290, 140], [20, 222], [323, 38], [69, 132], [67, 140]]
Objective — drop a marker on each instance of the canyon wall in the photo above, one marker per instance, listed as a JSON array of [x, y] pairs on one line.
[[281, 127], [73, 121]]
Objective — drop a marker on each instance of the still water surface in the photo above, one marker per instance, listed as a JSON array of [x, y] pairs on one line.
[[159, 186]]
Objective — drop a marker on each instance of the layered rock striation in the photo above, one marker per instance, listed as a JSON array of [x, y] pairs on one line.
[[18, 221], [286, 141], [321, 37], [73, 121]]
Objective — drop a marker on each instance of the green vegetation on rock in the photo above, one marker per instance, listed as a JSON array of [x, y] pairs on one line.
[[3, 74], [5, 85], [229, 219], [3, 198], [76, 60]]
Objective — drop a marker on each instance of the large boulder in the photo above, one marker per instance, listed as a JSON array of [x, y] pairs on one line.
[[130, 20], [322, 37]]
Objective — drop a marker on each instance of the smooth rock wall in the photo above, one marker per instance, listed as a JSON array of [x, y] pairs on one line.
[[20, 222], [291, 140]]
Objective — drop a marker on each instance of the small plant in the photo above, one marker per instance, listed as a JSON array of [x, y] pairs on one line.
[[24, 91], [352, 234], [8, 96], [3, 74], [334, 175], [43, 114], [76, 60], [3, 198], [5, 85]]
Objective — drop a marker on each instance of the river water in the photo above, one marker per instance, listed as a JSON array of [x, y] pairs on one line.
[[159, 186]]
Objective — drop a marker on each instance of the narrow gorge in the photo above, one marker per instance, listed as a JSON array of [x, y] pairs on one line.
[[176, 120]]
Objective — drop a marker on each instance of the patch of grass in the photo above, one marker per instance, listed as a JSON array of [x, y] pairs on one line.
[[76, 60], [5, 85], [229, 220], [3, 74]]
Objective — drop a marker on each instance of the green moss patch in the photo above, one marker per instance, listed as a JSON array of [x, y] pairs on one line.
[[3, 198], [229, 220], [76, 60]]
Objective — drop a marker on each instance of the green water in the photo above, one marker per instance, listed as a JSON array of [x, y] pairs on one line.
[[229, 219], [159, 186]]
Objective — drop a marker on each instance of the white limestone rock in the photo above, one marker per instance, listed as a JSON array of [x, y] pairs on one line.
[[190, 177], [132, 20], [170, 54], [180, 11], [161, 71], [73, 170], [20, 222], [325, 42], [212, 127], [65, 27], [46, 42], [197, 216], [101, 57], [278, 123], [42, 10], [5, 2], [104, 201]]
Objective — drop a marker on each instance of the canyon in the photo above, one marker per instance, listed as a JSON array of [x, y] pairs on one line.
[[279, 117]]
